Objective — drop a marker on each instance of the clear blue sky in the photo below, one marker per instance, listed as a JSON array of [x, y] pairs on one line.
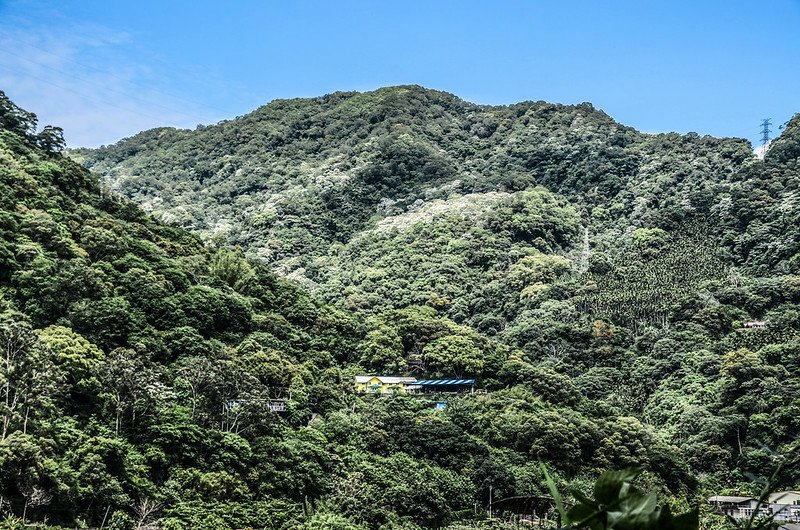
[[107, 69]]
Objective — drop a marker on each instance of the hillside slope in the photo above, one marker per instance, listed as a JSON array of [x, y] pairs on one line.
[[295, 177], [123, 338], [140, 362], [407, 196]]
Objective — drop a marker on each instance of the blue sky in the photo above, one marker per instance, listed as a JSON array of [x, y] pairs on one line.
[[104, 70]]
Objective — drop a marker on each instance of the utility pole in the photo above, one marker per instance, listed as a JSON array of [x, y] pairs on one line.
[[765, 130]]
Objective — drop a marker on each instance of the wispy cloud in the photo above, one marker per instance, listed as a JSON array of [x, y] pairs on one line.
[[87, 80]]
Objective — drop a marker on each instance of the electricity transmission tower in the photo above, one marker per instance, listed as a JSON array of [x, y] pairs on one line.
[[765, 130]]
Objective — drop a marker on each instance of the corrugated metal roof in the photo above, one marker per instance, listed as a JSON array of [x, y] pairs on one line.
[[778, 496], [386, 380], [729, 498], [431, 382]]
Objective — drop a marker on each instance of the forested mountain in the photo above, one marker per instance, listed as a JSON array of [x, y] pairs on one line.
[[294, 178], [407, 196], [595, 280]]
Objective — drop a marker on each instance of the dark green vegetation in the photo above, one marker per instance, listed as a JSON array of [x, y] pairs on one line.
[[617, 503], [595, 279]]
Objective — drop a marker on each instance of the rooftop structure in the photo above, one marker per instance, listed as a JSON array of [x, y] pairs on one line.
[[380, 384], [785, 497], [277, 405], [431, 386], [783, 506]]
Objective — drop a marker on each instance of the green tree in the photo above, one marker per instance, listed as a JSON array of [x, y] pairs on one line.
[[382, 349], [29, 380], [79, 359], [454, 354], [134, 388], [230, 267], [51, 139]]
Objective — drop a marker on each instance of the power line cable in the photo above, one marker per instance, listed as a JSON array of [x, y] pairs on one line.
[[107, 89], [126, 80], [95, 99]]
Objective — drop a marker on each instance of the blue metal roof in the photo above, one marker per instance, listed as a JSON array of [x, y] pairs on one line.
[[430, 382]]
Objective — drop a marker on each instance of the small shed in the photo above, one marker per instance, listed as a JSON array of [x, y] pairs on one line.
[[277, 405]]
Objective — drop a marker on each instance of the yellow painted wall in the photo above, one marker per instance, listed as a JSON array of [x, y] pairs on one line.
[[374, 385]]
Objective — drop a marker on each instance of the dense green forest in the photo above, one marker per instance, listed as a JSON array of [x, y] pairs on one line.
[[595, 280]]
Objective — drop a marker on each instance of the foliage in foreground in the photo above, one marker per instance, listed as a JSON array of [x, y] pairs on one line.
[[617, 503]]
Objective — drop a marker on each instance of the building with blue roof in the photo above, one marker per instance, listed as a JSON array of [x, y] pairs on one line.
[[433, 386], [376, 384]]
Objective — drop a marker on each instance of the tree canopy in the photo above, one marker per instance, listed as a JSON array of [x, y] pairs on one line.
[[595, 280]]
